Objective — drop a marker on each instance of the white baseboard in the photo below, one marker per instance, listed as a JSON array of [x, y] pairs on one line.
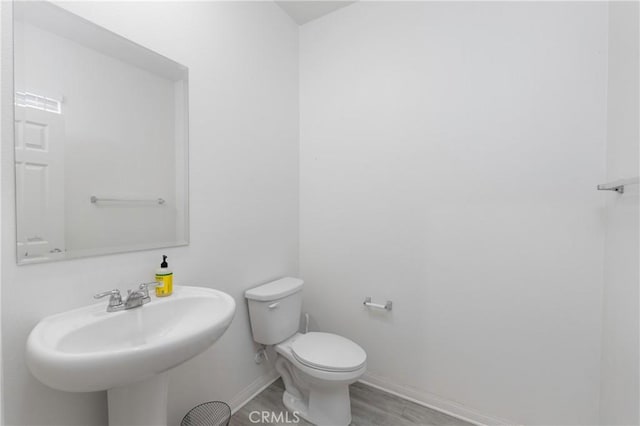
[[248, 393], [432, 401]]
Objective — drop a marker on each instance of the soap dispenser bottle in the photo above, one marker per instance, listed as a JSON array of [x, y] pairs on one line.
[[164, 276]]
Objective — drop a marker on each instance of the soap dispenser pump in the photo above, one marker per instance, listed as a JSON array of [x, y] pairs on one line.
[[164, 276]]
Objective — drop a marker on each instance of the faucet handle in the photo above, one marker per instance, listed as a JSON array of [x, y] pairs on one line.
[[115, 301], [115, 293], [150, 284], [144, 288]]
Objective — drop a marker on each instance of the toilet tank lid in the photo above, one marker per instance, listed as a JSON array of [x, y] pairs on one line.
[[275, 289]]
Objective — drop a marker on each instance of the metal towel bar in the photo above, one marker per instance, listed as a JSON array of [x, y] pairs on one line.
[[95, 200]]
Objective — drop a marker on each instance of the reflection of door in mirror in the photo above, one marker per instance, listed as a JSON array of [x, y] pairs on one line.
[[39, 158]]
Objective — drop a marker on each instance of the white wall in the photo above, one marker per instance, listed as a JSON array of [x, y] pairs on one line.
[[244, 200], [449, 157], [620, 397]]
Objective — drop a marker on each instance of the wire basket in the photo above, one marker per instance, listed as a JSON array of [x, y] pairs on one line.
[[213, 413]]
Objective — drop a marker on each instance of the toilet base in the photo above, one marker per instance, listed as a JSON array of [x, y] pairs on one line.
[[326, 407], [295, 406], [318, 396]]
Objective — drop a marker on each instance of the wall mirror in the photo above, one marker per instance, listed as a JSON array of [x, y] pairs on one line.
[[100, 137]]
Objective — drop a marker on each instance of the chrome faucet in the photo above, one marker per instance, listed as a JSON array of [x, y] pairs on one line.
[[135, 298]]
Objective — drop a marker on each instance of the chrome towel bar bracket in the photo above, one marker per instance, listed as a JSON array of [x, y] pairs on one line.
[[618, 185], [369, 304]]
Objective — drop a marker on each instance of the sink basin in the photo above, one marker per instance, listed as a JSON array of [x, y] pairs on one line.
[[89, 349]]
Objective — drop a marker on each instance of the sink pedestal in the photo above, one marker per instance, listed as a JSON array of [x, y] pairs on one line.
[[140, 404]]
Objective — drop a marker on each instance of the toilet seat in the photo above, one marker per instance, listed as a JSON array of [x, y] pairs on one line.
[[328, 352]]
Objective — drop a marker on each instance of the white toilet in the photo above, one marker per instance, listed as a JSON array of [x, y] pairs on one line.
[[317, 368]]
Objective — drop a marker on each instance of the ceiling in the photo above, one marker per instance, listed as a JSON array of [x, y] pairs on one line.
[[303, 11]]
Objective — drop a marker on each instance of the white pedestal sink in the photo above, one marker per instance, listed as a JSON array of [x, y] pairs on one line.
[[128, 353]]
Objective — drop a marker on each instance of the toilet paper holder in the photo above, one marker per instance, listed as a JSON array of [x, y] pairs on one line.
[[368, 303]]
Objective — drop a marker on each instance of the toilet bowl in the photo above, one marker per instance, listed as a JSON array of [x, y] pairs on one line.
[[316, 368]]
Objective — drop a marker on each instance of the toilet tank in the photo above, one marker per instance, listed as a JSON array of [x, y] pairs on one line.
[[274, 310]]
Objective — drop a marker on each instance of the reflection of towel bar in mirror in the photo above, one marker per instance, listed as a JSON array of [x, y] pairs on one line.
[[95, 200]]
